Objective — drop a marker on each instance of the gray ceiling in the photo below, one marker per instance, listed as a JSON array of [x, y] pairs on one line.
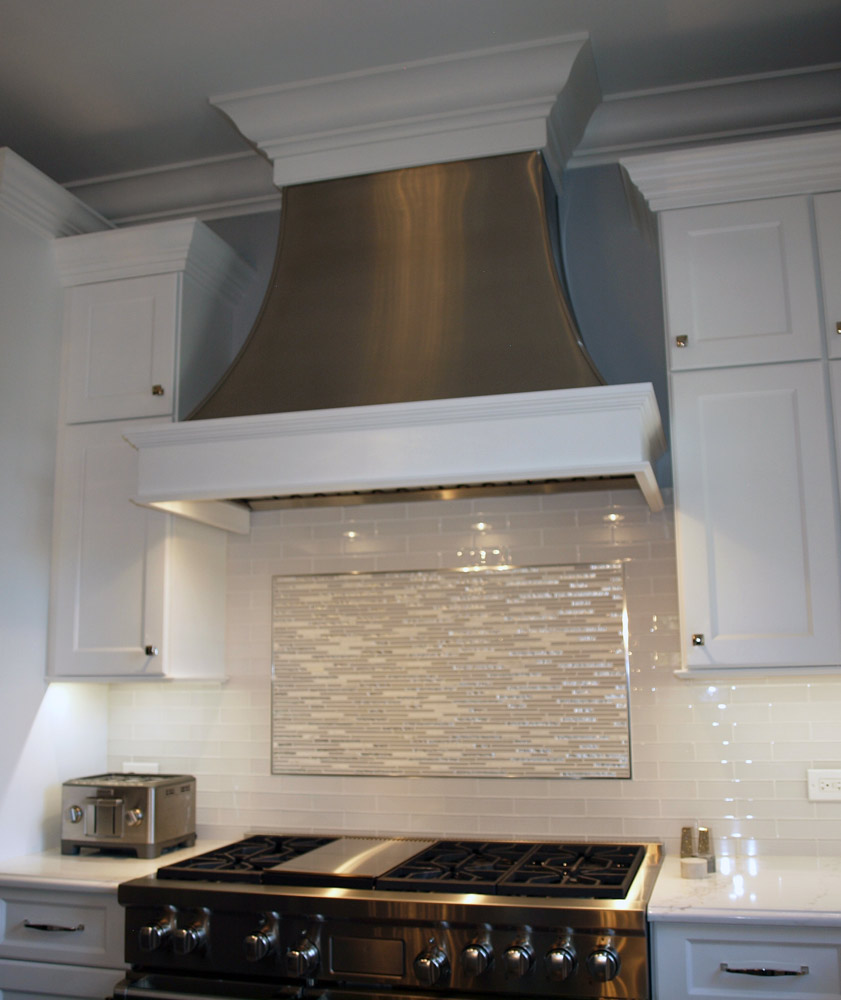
[[94, 87]]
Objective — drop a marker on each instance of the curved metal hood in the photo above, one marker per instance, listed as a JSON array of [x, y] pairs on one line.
[[415, 337], [432, 282]]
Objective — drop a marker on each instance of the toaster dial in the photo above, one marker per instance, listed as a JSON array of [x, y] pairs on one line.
[[134, 817], [75, 814]]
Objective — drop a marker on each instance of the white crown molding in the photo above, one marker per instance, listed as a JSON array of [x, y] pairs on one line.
[[478, 103], [40, 204], [186, 246], [717, 110], [214, 188], [762, 168]]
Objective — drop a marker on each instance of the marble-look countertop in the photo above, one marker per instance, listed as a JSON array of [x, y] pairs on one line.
[[89, 871], [765, 890]]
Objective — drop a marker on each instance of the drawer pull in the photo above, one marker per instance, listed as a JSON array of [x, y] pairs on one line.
[[53, 927], [761, 971]]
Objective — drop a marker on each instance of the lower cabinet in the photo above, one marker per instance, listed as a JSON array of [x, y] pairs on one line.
[[756, 520], [60, 944], [702, 961], [136, 593]]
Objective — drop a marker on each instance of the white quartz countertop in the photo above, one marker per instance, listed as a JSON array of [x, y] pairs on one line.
[[767, 890], [89, 871]]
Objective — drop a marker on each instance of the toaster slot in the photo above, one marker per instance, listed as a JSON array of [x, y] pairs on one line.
[[103, 817]]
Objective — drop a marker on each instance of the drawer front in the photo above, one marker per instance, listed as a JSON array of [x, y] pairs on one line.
[[68, 927], [703, 962], [19, 980]]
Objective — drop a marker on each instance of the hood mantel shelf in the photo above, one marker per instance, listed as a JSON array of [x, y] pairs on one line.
[[598, 431]]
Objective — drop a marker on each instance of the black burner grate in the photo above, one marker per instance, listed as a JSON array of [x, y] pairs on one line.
[[244, 861], [456, 866]]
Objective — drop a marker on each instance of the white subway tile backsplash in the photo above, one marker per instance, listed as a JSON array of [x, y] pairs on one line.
[[775, 726]]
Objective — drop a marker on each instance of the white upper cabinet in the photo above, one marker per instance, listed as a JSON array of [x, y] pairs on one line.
[[148, 322], [828, 221], [739, 284], [755, 515]]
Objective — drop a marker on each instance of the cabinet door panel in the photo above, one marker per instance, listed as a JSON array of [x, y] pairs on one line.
[[756, 519], [828, 219], [40, 981], [739, 283], [120, 344], [109, 560]]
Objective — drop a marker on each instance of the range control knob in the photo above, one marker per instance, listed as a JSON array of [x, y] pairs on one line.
[[476, 958], [431, 965], [155, 936], [302, 960], [186, 940], [260, 944], [134, 817], [75, 814], [518, 959], [603, 964], [560, 962]]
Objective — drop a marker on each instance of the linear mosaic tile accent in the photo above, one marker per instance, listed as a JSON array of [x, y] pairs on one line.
[[520, 672]]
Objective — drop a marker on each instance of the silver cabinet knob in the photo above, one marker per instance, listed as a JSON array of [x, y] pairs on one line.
[[476, 958], [431, 966], [682, 340], [303, 960], [75, 814], [518, 960], [560, 962], [603, 964], [151, 650], [697, 638], [157, 390]]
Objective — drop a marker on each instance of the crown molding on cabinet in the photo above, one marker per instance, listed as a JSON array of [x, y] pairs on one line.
[[40, 204], [185, 245], [761, 168]]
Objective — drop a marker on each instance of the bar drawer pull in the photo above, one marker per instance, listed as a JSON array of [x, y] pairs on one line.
[[53, 927], [762, 971]]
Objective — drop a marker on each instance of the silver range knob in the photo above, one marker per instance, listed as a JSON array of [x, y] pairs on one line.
[[560, 962], [303, 959], [259, 945], [431, 966], [154, 936], [186, 940], [476, 958], [518, 960], [603, 964]]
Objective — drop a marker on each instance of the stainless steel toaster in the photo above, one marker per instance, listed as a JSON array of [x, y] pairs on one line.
[[140, 814]]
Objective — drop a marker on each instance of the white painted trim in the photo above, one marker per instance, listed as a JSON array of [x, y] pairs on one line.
[[731, 110], [40, 204], [762, 168], [471, 104], [214, 188], [186, 246], [515, 437]]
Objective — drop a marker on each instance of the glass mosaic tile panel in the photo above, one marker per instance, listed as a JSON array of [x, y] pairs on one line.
[[496, 673]]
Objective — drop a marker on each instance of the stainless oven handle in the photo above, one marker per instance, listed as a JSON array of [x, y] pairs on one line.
[[53, 927]]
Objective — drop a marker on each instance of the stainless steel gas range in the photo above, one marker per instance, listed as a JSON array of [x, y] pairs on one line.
[[338, 918]]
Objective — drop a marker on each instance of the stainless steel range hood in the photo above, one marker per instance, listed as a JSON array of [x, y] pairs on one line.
[[415, 337]]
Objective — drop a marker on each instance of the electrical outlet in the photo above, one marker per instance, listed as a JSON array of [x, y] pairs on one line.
[[824, 784]]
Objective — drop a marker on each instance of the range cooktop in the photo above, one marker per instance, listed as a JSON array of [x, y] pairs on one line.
[[572, 870]]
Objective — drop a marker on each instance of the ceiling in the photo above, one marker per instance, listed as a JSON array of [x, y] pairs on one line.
[[98, 87]]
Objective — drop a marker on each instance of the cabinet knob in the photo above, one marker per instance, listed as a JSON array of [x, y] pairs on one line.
[[697, 638], [682, 340], [838, 327], [157, 390], [151, 650]]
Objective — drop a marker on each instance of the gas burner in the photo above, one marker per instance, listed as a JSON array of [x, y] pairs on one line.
[[244, 861], [602, 871], [452, 866]]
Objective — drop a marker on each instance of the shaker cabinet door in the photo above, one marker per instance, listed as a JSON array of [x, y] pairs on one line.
[[120, 346], [828, 221], [739, 284], [108, 568], [758, 553]]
